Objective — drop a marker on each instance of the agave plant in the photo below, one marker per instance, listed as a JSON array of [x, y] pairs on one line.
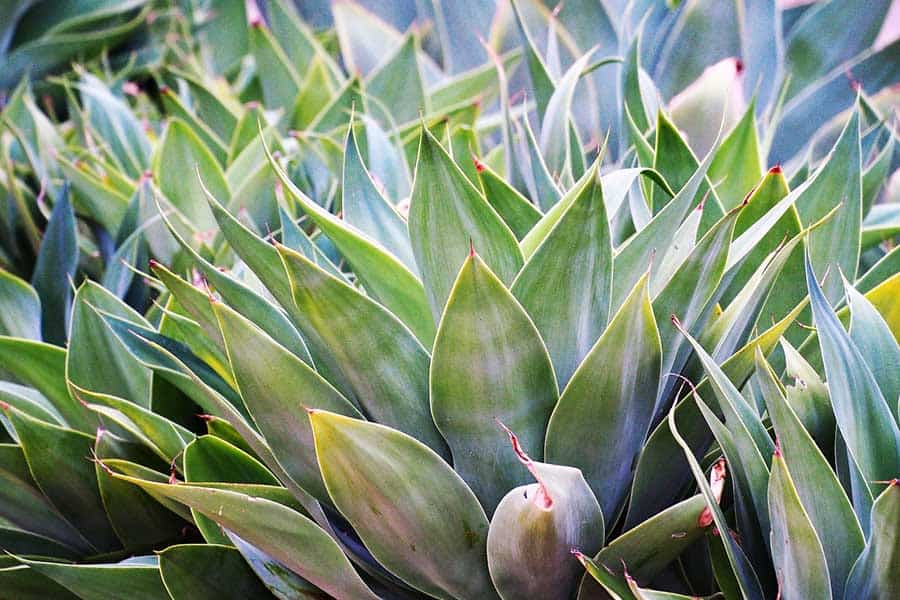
[[395, 343]]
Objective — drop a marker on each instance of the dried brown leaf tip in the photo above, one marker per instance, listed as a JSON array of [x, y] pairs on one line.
[[542, 498], [717, 485]]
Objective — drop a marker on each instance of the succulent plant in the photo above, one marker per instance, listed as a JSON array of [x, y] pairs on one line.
[[392, 342]]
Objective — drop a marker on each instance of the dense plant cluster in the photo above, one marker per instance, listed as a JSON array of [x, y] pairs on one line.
[[458, 299]]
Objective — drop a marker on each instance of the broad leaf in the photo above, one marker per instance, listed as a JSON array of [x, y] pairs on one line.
[[489, 363]]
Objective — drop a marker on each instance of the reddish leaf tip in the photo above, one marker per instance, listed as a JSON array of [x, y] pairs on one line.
[[472, 255], [4, 406], [738, 66], [205, 418], [775, 170], [163, 90], [479, 166]]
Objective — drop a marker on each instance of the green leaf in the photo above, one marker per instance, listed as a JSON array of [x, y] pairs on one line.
[[489, 363], [796, 550], [276, 72], [448, 214], [675, 160], [808, 397], [58, 459], [208, 572], [97, 360], [604, 414], [411, 510], [281, 581], [747, 580], [250, 304], [367, 209], [873, 575], [137, 580], [737, 166], [555, 142], [837, 184], [539, 232], [55, 266], [751, 440], [765, 196], [398, 84], [541, 185], [661, 459], [175, 107], [24, 505], [268, 377], [863, 416], [164, 437], [651, 546], [541, 81], [20, 308], [384, 366], [876, 344], [43, 367], [182, 166], [535, 527], [281, 532], [689, 294], [209, 459], [819, 492], [515, 210], [138, 520], [574, 260], [116, 124], [634, 256], [383, 275]]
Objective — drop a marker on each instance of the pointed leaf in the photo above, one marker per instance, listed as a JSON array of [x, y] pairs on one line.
[[208, 572], [863, 416], [58, 459], [796, 550], [55, 266], [278, 530], [873, 575], [367, 209], [446, 215], [823, 500], [604, 414], [489, 363], [93, 582], [268, 377], [575, 260], [384, 366], [386, 278]]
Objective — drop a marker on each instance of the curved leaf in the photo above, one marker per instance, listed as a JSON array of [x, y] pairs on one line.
[[864, 418], [411, 510], [208, 572], [280, 531], [604, 414], [535, 527]]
